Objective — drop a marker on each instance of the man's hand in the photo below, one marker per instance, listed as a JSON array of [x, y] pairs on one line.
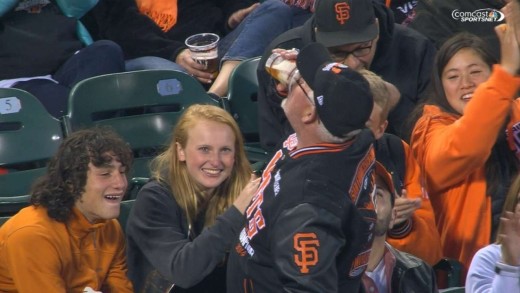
[[291, 54], [236, 18], [195, 69]]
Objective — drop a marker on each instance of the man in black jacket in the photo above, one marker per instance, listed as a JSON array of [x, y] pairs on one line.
[[390, 270], [360, 34], [309, 225]]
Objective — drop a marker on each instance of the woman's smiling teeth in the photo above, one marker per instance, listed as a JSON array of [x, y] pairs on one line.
[[467, 96], [211, 171]]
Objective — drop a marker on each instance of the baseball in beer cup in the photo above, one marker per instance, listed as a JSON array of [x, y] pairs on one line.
[[279, 68]]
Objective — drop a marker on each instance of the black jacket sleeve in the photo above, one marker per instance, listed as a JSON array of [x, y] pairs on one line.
[[159, 228]]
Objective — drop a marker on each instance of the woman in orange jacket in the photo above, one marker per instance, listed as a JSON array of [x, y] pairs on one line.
[[459, 140]]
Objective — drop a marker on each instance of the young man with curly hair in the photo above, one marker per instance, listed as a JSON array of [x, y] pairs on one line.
[[69, 239]]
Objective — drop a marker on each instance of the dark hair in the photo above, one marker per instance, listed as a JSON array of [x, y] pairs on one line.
[[501, 164], [66, 177], [435, 94]]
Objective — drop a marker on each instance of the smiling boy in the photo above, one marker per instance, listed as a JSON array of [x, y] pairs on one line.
[[69, 239]]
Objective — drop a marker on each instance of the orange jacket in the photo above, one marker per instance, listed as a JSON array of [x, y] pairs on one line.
[[452, 152], [39, 254], [421, 237]]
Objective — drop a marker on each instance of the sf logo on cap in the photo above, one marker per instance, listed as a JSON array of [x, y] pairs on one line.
[[334, 67], [342, 11]]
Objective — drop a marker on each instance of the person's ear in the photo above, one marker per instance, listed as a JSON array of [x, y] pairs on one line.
[[381, 129], [309, 115], [392, 218], [180, 152]]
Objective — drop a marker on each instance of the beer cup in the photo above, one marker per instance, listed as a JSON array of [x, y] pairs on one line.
[[203, 49], [280, 69]]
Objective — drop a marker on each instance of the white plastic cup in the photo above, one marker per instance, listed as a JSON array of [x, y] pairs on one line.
[[279, 68], [203, 49]]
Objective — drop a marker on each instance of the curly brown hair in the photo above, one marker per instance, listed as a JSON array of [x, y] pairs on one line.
[[64, 183]]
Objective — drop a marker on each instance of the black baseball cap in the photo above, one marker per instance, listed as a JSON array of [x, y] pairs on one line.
[[383, 174], [342, 95], [341, 22]]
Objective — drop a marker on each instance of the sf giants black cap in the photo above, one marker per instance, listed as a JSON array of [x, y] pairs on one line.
[[342, 96], [341, 22], [384, 175]]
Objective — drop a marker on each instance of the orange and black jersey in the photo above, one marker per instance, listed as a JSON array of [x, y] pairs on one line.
[[309, 227]]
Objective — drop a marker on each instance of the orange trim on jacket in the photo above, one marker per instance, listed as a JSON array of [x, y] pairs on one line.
[[451, 152], [39, 254], [423, 240]]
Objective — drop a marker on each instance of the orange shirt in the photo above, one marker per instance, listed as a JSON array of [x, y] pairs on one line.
[[452, 151], [39, 254], [423, 239]]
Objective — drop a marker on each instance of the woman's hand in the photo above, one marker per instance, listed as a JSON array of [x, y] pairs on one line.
[[510, 237], [509, 35], [405, 207], [243, 200], [236, 18]]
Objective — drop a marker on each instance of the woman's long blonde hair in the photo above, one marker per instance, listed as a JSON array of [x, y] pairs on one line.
[[167, 167]]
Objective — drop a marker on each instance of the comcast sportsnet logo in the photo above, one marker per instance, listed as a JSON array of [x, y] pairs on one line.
[[481, 15]]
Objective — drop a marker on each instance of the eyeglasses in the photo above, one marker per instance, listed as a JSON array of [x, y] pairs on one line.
[[362, 51], [297, 79]]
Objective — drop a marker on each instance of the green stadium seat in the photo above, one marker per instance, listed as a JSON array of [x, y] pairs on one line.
[[126, 208], [449, 273], [4, 219], [141, 106], [12, 204], [29, 137], [242, 103]]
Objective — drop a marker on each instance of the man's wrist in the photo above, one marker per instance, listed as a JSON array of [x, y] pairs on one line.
[[507, 270]]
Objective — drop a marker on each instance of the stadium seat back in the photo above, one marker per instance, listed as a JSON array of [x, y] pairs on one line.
[[29, 136]]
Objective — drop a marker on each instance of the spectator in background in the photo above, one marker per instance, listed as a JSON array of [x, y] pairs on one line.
[[41, 52], [496, 267], [186, 218], [414, 230], [390, 270], [404, 10], [268, 21], [459, 139], [441, 19], [368, 38], [69, 239], [149, 41]]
